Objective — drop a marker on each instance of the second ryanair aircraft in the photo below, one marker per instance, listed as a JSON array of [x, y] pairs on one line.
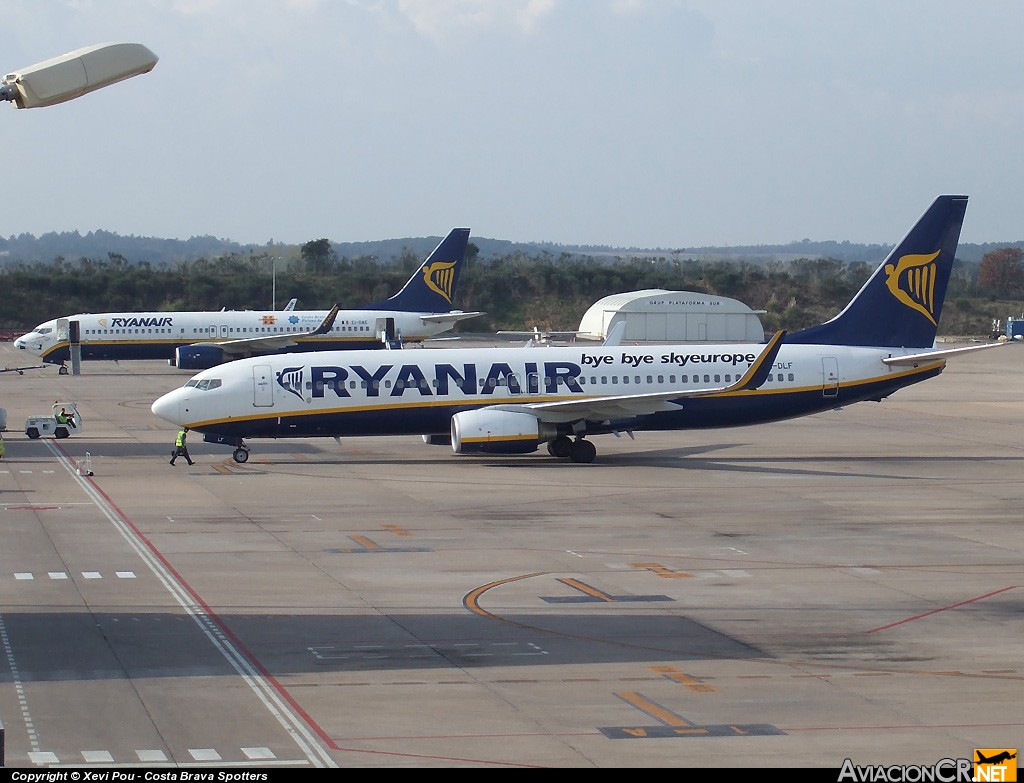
[[513, 400], [198, 340]]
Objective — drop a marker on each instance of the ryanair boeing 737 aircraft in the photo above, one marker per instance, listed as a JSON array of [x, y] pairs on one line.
[[198, 340], [513, 400]]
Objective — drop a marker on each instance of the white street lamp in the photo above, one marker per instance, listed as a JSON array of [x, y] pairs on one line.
[[76, 73]]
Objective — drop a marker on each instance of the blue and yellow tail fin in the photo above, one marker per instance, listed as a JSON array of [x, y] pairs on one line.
[[900, 304], [432, 287]]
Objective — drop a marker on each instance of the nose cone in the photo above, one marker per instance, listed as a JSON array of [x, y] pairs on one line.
[[167, 408]]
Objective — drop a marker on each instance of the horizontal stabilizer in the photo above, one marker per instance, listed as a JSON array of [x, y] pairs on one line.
[[453, 317], [929, 356]]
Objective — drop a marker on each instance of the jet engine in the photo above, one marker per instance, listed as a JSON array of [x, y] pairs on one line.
[[198, 357], [498, 432]]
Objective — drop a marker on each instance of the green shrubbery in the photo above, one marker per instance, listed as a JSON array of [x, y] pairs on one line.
[[516, 291]]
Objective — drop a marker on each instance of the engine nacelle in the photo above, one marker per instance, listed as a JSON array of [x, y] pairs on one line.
[[198, 357], [498, 432], [437, 440]]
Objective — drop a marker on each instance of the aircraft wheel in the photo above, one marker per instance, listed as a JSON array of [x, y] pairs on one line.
[[241, 455], [560, 446], [63, 370], [582, 451], [32, 432]]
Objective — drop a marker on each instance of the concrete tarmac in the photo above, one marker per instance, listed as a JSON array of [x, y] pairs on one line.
[[849, 585]]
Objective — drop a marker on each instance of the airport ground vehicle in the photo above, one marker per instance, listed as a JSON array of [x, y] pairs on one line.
[[56, 424]]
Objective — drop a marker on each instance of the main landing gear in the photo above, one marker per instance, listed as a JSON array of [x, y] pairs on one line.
[[578, 450]]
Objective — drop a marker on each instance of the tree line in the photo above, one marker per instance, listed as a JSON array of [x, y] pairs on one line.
[[516, 291]]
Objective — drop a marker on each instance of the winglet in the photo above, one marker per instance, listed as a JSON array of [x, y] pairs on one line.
[[615, 334], [328, 323], [757, 374]]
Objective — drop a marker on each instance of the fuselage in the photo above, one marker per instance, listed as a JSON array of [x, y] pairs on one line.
[[418, 391], [157, 335]]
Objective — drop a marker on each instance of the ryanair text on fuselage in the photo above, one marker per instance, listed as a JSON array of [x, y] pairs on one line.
[[485, 379]]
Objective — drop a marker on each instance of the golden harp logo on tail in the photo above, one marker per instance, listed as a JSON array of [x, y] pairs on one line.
[[439, 276], [912, 281]]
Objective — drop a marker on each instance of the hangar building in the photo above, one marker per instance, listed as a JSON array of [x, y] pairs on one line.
[[657, 315]]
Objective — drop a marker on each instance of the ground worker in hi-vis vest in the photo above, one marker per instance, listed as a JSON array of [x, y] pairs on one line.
[[180, 447]]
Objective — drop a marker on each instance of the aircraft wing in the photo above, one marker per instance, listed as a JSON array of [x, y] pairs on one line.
[[539, 335], [628, 405], [271, 343], [453, 317], [544, 333], [928, 356]]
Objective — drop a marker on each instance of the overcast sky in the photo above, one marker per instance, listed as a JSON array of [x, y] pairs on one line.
[[630, 123]]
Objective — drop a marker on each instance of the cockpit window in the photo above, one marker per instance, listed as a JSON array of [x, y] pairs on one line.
[[43, 329], [204, 385]]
